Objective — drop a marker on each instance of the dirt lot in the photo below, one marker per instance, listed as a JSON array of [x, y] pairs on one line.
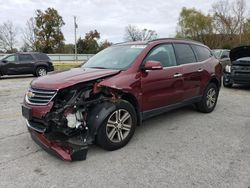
[[182, 148]]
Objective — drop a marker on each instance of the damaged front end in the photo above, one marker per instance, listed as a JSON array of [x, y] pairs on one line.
[[64, 122]]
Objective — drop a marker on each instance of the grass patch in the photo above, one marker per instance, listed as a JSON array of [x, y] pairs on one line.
[[65, 66]]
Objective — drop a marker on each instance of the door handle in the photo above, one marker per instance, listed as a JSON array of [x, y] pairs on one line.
[[177, 75], [200, 70]]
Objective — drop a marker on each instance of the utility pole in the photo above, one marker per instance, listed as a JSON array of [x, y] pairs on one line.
[[75, 27]]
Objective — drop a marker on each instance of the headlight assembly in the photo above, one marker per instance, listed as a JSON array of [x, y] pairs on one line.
[[228, 69]]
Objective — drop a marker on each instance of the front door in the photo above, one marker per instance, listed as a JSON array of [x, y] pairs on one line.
[[161, 88]]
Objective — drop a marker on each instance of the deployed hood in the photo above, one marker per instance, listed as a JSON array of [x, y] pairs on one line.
[[239, 52], [71, 77]]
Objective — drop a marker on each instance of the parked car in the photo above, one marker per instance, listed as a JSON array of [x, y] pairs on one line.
[[26, 63], [223, 56], [239, 71], [103, 101]]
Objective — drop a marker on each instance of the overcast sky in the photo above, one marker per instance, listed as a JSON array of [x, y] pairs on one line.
[[109, 17]]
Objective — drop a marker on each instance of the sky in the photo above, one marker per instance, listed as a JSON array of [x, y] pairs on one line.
[[109, 17]]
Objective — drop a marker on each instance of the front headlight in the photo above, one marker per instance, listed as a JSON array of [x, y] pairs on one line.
[[228, 68]]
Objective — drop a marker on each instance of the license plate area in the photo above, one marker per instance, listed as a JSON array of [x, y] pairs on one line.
[[26, 112]]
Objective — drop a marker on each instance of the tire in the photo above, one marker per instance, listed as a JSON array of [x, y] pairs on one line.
[[41, 71], [225, 84], [113, 134], [209, 99]]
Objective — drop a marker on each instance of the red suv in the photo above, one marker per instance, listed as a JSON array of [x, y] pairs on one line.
[[103, 101]]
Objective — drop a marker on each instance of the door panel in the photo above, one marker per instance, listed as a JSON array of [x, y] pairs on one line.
[[160, 88]]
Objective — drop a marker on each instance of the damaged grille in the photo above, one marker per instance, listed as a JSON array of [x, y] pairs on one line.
[[39, 96]]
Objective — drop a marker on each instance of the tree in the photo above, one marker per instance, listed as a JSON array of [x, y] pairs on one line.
[[228, 17], [8, 37], [29, 35], [133, 33], [49, 37], [104, 44], [89, 44], [194, 24]]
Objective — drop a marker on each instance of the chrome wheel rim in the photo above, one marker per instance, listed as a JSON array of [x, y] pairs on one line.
[[42, 72], [119, 125], [211, 97]]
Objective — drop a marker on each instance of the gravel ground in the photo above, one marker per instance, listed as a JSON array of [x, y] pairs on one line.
[[182, 148]]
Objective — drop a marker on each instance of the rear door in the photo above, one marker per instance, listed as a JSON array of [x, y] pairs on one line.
[[161, 87], [191, 70], [25, 63]]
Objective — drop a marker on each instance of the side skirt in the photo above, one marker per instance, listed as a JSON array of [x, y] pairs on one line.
[[154, 112]]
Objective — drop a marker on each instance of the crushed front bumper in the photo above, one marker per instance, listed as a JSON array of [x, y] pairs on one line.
[[237, 78], [63, 150]]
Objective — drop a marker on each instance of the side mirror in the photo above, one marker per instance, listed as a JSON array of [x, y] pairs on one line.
[[4, 61], [153, 65]]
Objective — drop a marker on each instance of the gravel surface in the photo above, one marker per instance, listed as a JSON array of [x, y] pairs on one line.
[[182, 148]]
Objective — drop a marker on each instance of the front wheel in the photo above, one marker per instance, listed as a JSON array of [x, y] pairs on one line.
[[118, 128], [209, 99]]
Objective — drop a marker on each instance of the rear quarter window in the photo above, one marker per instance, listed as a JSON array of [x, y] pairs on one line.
[[41, 56], [202, 53], [184, 54]]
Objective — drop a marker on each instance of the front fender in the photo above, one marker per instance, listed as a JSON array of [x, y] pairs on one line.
[[97, 115]]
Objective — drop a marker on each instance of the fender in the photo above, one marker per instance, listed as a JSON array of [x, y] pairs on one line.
[[98, 114]]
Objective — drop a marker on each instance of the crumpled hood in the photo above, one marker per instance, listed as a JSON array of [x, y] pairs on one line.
[[70, 77], [239, 52]]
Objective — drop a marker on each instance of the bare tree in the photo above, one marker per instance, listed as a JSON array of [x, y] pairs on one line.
[[133, 33], [229, 16], [29, 36], [8, 36]]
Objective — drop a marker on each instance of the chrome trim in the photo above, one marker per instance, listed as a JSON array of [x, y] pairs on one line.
[[33, 128]]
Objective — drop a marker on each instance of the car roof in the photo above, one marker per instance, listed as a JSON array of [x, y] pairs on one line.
[[179, 40], [30, 53]]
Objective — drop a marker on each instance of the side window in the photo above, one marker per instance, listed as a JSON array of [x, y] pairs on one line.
[[25, 57], [225, 54], [10, 58], [184, 54], [163, 53], [201, 52]]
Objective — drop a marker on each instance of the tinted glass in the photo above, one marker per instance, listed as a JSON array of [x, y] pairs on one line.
[[25, 57], [164, 54], [41, 56], [225, 54], [10, 58], [115, 57], [184, 54], [201, 52]]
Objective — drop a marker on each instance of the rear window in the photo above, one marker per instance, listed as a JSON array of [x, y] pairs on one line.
[[184, 54], [41, 56], [202, 53]]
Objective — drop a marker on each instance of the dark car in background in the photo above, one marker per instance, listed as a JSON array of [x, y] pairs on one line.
[[239, 71], [223, 56], [34, 63], [103, 101]]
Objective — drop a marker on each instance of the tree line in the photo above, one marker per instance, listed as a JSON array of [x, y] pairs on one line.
[[226, 26]]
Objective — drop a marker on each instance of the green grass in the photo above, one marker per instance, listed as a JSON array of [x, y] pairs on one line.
[[65, 66]]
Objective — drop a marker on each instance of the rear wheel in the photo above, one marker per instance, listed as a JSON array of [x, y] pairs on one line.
[[41, 71], [118, 128], [209, 99]]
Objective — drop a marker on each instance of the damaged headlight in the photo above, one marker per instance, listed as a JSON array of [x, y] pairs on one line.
[[228, 69]]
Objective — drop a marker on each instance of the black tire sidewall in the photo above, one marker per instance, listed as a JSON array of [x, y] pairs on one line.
[[102, 138]]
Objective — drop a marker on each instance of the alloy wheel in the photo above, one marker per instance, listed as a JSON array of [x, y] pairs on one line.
[[119, 125], [211, 98]]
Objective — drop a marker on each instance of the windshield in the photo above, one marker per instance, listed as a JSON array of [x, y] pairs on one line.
[[115, 57], [217, 53]]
